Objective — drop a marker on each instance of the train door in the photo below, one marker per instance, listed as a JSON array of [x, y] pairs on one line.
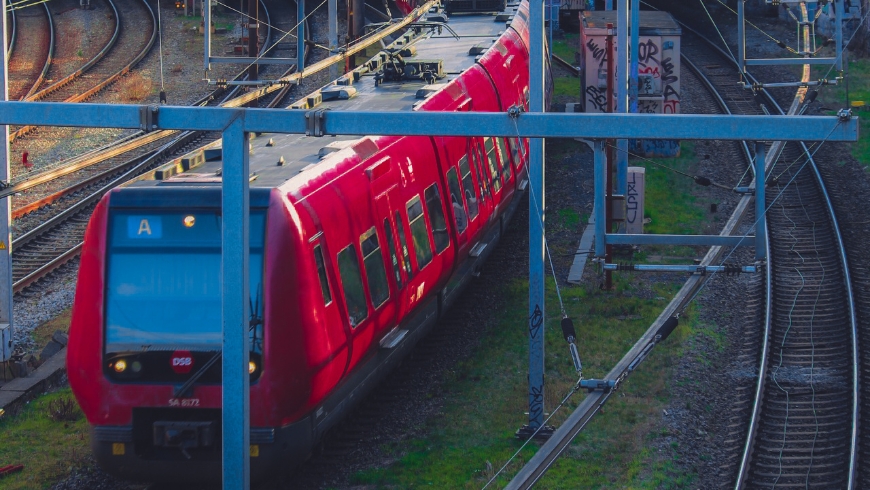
[[395, 247], [481, 175], [338, 334]]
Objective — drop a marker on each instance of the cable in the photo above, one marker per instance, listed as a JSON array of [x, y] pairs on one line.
[[779, 43], [160, 45], [575, 389], [286, 33], [733, 58], [699, 179]]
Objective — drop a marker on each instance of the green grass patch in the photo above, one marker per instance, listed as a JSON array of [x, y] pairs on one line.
[[670, 203], [833, 97], [473, 437], [49, 449], [566, 46], [567, 88]]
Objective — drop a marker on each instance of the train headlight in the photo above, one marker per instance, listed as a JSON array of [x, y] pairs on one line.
[[136, 366], [252, 367], [189, 221], [120, 366]]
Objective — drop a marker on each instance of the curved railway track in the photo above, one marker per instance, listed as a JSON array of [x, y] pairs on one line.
[[57, 237], [797, 427], [135, 34], [32, 51]]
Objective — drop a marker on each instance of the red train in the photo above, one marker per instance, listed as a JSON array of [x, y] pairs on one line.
[[357, 247]]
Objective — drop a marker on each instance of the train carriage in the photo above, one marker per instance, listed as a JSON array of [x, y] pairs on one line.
[[357, 246]]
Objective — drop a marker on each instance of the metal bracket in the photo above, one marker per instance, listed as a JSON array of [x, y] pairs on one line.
[[598, 384], [514, 111], [148, 117], [845, 115], [314, 122]]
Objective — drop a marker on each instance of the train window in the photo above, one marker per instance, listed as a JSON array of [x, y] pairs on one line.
[[459, 215], [373, 261], [406, 257], [388, 232], [321, 272], [351, 283], [436, 216], [419, 232], [470, 197], [492, 161], [503, 158]]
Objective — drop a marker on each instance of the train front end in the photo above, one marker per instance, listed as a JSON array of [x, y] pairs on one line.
[[145, 337]]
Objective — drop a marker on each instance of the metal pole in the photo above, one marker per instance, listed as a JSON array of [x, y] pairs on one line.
[[600, 164], [741, 38], [536, 220], [635, 41], [253, 36], [838, 30], [206, 33], [608, 4], [332, 7], [760, 205], [622, 93], [5, 212], [608, 174], [235, 422], [300, 35]]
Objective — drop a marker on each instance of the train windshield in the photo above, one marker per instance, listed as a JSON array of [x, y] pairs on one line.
[[163, 287]]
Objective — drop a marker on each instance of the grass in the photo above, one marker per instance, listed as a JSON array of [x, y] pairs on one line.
[[474, 435], [49, 449], [834, 98]]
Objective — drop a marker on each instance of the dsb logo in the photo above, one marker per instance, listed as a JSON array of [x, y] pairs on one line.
[[181, 361]]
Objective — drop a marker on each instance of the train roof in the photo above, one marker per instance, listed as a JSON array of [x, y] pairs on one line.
[[474, 33]]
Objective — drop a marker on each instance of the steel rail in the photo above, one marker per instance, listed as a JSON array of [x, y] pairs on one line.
[[568, 66], [756, 414], [87, 66], [109, 80], [590, 406], [130, 171], [12, 35], [49, 58]]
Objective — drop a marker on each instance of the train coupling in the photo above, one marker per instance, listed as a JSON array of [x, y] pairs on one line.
[[184, 435]]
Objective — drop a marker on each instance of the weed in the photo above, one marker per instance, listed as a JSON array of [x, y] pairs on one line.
[[135, 87], [80, 53], [63, 410]]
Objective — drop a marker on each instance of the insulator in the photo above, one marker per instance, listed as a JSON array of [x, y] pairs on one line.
[[162, 97], [568, 330], [781, 45], [701, 180], [812, 96], [667, 328], [625, 267], [575, 357]]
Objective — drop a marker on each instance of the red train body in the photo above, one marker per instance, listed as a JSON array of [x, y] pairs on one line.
[[353, 258]]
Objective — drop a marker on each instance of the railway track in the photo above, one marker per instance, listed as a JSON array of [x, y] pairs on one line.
[[135, 34], [32, 51], [797, 426], [56, 236]]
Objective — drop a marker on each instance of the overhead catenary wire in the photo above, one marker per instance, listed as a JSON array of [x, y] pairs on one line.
[[699, 179]]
